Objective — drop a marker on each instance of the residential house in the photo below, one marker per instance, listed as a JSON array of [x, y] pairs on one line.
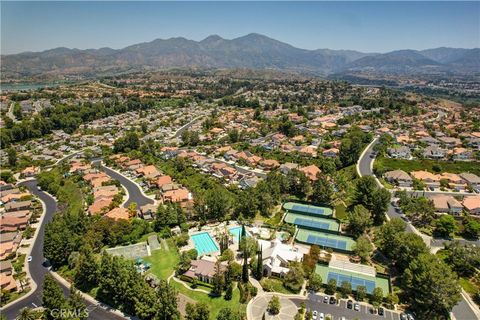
[[399, 178], [17, 206], [431, 180], [270, 164], [311, 172], [460, 154], [472, 204], [29, 172], [446, 204], [118, 214], [330, 153], [472, 180], [434, 152], [286, 167], [402, 152], [148, 211]]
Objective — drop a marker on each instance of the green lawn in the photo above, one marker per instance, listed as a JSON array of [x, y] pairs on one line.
[[164, 261], [468, 286], [275, 285], [341, 212], [215, 303], [414, 165]]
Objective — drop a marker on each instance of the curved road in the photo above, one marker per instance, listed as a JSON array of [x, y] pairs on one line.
[[462, 311], [135, 194], [38, 271]]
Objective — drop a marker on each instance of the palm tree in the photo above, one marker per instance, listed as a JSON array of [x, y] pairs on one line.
[[27, 314]]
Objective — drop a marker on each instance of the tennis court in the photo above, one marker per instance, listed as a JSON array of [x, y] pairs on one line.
[[322, 239], [315, 223], [356, 279], [132, 251], [307, 209]]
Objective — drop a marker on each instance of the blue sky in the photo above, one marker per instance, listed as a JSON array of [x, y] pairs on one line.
[[363, 26]]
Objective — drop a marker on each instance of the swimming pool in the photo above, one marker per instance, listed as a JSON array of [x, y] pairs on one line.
[[237, 231], [204, 243]]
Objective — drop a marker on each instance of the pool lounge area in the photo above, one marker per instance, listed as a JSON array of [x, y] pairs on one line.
[[204, 243]]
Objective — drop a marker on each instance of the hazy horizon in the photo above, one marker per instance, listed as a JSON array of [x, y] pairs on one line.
[[362, 26]]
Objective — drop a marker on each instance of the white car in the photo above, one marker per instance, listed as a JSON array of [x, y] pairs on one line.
[[322, 316], [356, 306], [314, 315], [29, 259]]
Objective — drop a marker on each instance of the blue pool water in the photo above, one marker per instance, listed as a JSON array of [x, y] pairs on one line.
[[237, 231], [204, 243]]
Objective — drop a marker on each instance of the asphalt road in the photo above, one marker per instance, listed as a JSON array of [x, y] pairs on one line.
[[134, 192], [339, 310], [38, 271], [462, 311]]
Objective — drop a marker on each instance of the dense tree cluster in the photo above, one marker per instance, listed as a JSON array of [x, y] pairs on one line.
[[68, 118]]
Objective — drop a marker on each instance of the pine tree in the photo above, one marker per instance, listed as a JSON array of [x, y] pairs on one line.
[[259, 265], [52, 298]]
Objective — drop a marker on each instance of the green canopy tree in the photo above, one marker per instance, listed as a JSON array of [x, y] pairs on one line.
[[363, 248], [445, 226], [322, 190], [52, 298], [360, 219], [431, 286]]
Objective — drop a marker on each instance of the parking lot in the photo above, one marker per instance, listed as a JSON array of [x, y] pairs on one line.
[[339, 310]]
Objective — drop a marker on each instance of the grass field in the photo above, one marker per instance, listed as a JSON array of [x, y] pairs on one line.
[[164, 261], [413, 165], [275, 285], [341, 212], [215, 303]]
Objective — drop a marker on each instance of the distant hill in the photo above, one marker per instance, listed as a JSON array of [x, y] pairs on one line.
[[253, 51]]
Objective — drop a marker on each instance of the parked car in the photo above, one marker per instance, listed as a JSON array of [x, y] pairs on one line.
[[321, 316], [403, 316], [325, 299], [381, 311], [29, 259], [333, 300], [410, 317], [356, 306], [349, 304], [314, 314]]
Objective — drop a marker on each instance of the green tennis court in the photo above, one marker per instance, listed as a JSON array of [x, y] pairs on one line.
[[307, 209], [310, 222], [356, 279], [328, 240]]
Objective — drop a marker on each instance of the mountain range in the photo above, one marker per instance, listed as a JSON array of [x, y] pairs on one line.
[[253, 51]]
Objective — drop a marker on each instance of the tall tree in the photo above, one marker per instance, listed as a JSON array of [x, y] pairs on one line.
[[167, 302], [12, 157], [52, 299], [322, 190], [363, 248], [360, 219], [86, 270], [431, 286]]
